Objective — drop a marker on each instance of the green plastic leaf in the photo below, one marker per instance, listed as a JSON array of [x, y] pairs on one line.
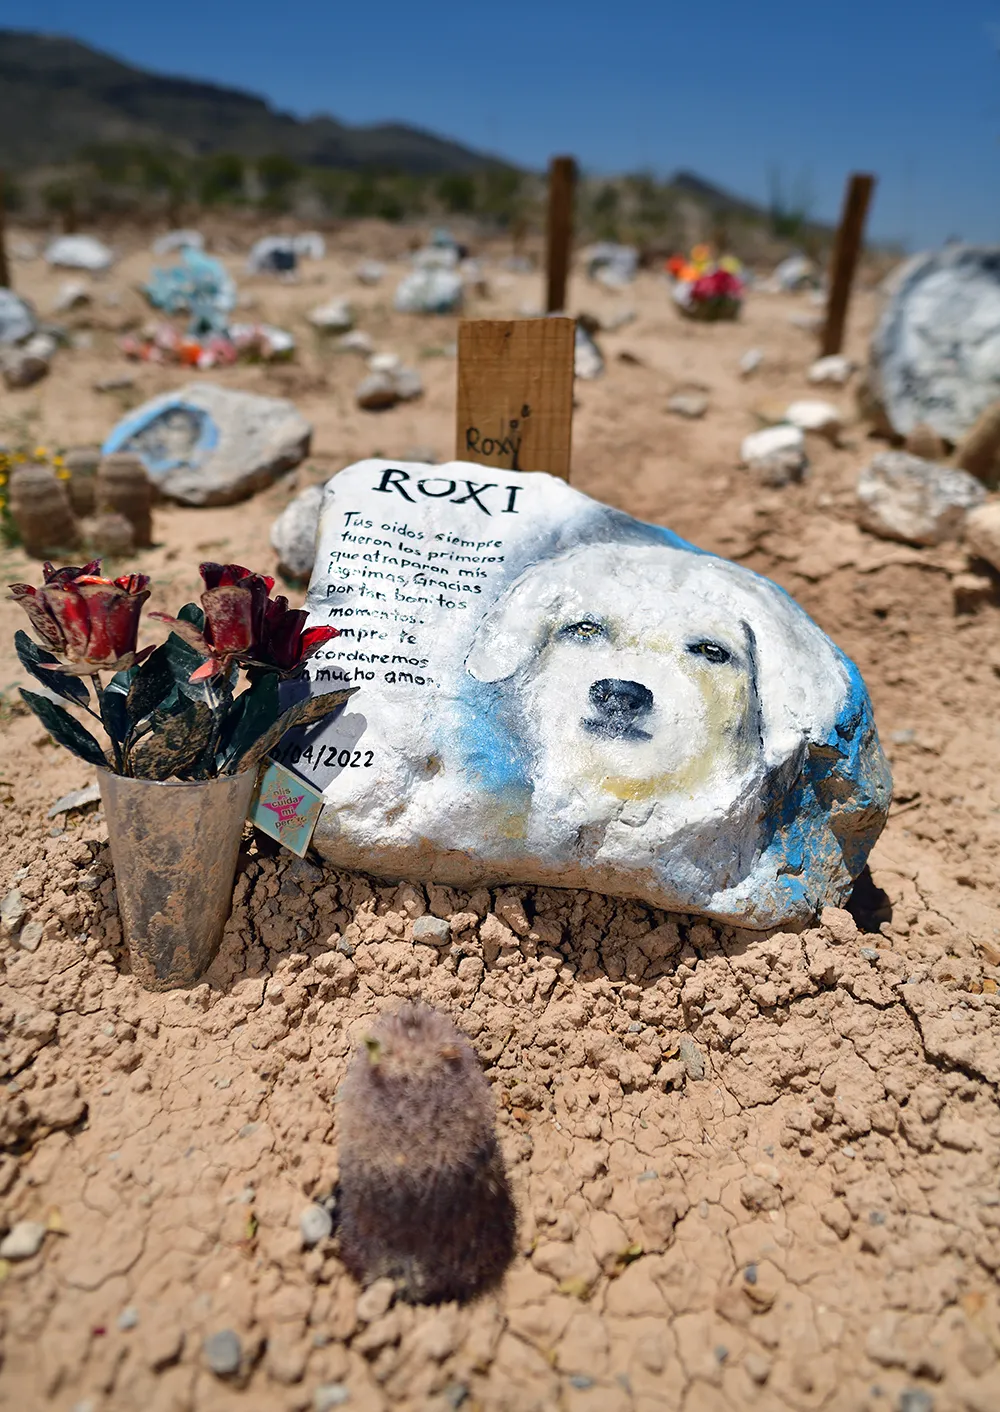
[[303, 713], [251, 715], [64, 730], [173, 742], [32, 657], [193, 614]]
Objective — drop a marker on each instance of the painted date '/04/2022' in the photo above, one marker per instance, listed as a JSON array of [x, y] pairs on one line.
[[320, 756]]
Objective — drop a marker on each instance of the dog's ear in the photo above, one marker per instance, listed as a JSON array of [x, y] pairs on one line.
[[516, 628]]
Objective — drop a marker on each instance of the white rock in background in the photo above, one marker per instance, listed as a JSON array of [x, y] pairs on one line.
[[808, 323], [80, 252], [610, 264], [357, 341], [211, 445], [335, 316], [794, 272], [982, 533], [175, 240], [588, 362], [834, 369], [935, 356], [430, 291], [17, 318], [370, 272], [750, 362], [776, 455], [902, 497], [577, 699], [282, 253], [384, 362], [293, 534], [820, 418], [384, 387], [27, 363], [73, 294], [692, 405]]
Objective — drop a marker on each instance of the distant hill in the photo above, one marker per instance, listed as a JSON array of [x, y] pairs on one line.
[[58, 96]]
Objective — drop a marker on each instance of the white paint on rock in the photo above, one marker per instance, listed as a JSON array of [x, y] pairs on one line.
[[552, 692], [919, 502], [935, 356]]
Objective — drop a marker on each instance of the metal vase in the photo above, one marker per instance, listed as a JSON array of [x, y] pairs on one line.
[[174, 846]]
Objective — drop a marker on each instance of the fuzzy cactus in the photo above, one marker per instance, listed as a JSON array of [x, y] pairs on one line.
[[424, 1197]]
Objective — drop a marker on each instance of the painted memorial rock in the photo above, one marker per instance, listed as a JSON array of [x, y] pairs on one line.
[[552, 692]]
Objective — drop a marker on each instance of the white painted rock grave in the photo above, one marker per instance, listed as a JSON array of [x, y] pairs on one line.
[[552, 692]]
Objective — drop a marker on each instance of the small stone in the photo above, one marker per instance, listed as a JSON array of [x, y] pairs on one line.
[[12, 912], [869, 953], [432, 931], [588, 362], [78, 799], [330, 1395], [970, 592], [919, 502], [581, 1382], [455, 1394], [818, 418], [128, 1318], [758, 1367], [30, 936], [915, 1399], [336, 316], [375, 1300], [750, 362], [23, 1240], [377, 392], [691, 1057], [777, 455], [834, 369], [982, 533], [73, 294], [688, 404], [223, 1352], [315, 1224], [357, 341], [121, 382], [293, 534], [370, 272]]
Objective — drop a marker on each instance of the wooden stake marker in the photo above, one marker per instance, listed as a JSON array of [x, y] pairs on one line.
[[515, 394], [846, 249], [562, 185]]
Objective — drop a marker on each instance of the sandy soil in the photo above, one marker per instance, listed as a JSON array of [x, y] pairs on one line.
[[753, 1171]]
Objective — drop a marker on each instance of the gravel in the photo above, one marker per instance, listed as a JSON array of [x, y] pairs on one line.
[[223, 1352], [315, 1224]]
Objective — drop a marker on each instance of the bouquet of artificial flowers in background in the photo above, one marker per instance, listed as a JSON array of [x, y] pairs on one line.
[[706, 287]]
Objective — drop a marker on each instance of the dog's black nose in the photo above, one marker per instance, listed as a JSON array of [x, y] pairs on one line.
[[621, 698]]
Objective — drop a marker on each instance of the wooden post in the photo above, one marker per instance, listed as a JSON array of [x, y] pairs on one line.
[[843, 263], [559, 237], [4, 260], [515, 394]]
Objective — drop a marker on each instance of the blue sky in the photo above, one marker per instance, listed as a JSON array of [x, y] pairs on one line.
[[909, 89]]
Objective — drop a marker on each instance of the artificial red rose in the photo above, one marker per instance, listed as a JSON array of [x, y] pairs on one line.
[[287, 642], [91, 623], [243, 624]]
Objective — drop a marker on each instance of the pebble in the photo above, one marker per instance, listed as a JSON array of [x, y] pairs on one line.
[[432, 931], [357, 341], [455, 1394], [750, 362], [819, 418], [370, 272], [688, 404], [30, 936], [691, 1057], [330, 1395], [128, 1318], [315, 1224], [835, 369], [375, 1300], [915, 1399], [336, 316], [581, 1382], [223, 1352], [982, 533], [78, 799], [869, 953], [22, 1241], [12, 912], [776, 454]]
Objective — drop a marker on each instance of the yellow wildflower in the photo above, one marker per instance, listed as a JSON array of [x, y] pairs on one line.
[[40, 453]]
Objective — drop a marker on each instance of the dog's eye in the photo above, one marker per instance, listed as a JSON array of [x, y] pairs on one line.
[[582, 631], [711, 650]]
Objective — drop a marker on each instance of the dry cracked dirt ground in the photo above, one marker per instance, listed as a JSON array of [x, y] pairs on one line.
[[752, 1170]]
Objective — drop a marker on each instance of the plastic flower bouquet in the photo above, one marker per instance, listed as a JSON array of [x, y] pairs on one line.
[[706, 288], [175, 711]]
